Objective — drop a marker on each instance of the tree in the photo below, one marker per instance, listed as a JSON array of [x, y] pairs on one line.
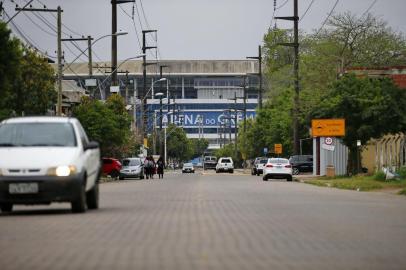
[[109, 124], [198, 146], [10, 57], [35, 91], [371, 108], [177, 145]]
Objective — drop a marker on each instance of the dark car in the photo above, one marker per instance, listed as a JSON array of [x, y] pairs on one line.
[[112, 167], [254, 168], [301, 163]]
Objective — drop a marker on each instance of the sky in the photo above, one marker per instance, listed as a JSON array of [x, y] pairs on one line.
[[186, 29]]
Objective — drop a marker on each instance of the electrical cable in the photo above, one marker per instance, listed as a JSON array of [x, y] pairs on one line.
[[282, 5], [331, 12], [145, 17], [308, 7], [369, 8], [135, 27], [40, 27]]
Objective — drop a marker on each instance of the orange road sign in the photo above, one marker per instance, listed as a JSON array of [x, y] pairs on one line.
[[328, 127], [278, 148]]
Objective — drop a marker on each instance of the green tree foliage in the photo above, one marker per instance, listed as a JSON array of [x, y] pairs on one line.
[[371, 108], [198, 147], [35, 91], [26, 79], [347, 41], [178, 145], [109, 124]]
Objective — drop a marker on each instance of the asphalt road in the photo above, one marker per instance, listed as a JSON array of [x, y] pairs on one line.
[[211, 222]]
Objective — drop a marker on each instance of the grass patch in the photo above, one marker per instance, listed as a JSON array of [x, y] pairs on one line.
[[361, 183], [402, 192]]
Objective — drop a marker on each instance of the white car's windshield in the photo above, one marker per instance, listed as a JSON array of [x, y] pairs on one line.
[[37, 134], [278, 160], [131, 162]]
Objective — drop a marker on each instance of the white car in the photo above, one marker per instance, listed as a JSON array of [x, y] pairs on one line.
[[188, 168], [277, 168], [48, 159], [225, 164], [132, 167]]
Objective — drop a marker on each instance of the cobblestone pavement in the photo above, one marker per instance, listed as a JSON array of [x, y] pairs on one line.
[[211, 222]]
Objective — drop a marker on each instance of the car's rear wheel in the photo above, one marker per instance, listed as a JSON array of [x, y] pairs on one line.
[[121, 177], [265, 178], [142, 176], [232, 171], [217, 171], [289, 178], [92, 197], [114, 174], [295, 171], [6, 207], [79, 204]]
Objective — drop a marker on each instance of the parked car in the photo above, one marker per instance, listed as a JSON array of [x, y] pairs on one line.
[[132, 168], [225, 164], [188, 168], [301, 163], [209, 162], [277, 168], [48, 159], [259, 166], [112, 167]]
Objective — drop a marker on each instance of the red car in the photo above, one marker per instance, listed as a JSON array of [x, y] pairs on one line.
[[112, 167]]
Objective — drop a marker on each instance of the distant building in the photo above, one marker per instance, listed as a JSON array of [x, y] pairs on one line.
[[396, 73], [200, 93]]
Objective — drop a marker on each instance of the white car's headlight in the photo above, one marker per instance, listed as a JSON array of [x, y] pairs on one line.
[[62, 171]]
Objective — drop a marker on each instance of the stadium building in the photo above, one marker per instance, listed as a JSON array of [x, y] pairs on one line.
[[205, 97]]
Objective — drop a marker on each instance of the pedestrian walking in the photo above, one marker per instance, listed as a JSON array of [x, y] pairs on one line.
[[161, 165]]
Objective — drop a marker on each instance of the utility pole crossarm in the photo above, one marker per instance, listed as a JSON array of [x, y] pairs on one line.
[[288, 18], [75, 39]]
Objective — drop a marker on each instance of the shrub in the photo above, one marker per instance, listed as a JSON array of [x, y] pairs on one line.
[[379, 176], [402, 172]]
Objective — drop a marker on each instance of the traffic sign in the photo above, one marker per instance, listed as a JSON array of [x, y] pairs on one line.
[[328, 127], [265, 150], [278, 148], [328, 140]]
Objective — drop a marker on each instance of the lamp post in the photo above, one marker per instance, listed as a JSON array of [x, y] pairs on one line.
[[160, 96], [130, 58]]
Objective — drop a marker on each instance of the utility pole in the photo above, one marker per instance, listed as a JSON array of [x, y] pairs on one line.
[[144, 75], [259, 58], [59, 46], [296, 104], [89, 49], [114, 4]]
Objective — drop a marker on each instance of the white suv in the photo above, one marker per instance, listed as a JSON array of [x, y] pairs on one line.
[[225, 164], [48, 159]]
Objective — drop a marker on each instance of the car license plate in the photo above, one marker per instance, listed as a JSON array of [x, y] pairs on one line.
[[23, 188], [279, 167]]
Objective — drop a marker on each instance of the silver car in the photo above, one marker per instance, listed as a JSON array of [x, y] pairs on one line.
[[132, 168]]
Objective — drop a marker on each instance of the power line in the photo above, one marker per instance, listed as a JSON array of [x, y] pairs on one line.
[[331, 12], [369, 8], [308, 7], [282, 5], [145, 17], [40, 27], [135, 27]]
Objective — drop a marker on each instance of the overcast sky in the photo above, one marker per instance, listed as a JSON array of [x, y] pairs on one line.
[[187, 29]]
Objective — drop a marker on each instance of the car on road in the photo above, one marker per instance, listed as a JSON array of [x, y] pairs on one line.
[[259, 164], [132, 168], [301, 163], [48, 159], [277, 168], [225, 164], [209, 162], [112, 167], [188, 168]]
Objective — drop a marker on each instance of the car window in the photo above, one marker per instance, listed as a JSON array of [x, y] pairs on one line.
[[278, 160], [37, 134], [263, 161], [225, 160], [82, 134], [107, 161], [188, 165], [131, 162]]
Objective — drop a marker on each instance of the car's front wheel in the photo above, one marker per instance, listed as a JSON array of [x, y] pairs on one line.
[[79, 204], [92, 197], [289, 178], [295, 171], [6, 207], [114, 174]]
